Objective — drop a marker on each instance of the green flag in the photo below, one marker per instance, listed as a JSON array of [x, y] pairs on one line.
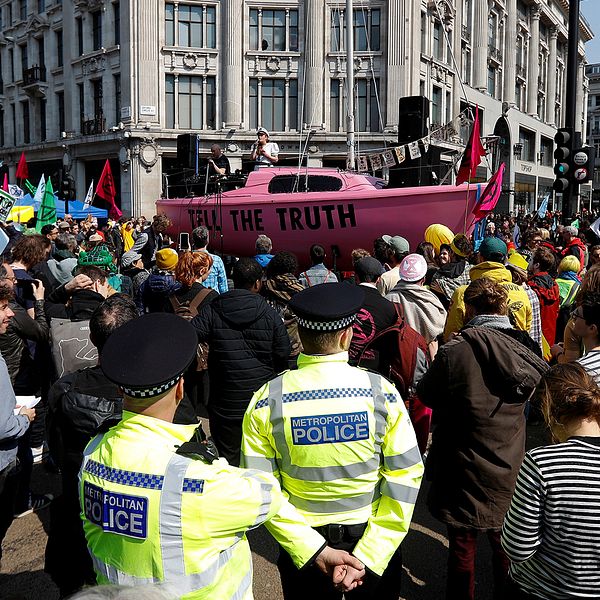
[[30, 187], [46, 214]]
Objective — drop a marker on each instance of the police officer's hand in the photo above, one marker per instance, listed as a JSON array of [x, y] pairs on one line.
[[330, 559], [346, 578]]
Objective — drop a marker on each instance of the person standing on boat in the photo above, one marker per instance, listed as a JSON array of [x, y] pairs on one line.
[[264, 152], [219, 163]]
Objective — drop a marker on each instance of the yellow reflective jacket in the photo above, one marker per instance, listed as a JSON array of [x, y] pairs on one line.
[[342, 445], [151, 515], [519, 306]]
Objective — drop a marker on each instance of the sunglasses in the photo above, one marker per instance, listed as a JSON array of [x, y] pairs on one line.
[[575, 314]]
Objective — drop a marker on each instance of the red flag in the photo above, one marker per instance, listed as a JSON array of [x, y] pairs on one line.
[[491, 194], [22, 170], [473, 153], [5, 183], [107, 191]]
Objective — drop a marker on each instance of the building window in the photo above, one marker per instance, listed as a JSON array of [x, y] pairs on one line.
[[519, 96], [424, 36], [60, 103], [269, 30], [42, 120], [9, 16], [366, 30], [59, 48], [97, 92], [466, 65], [79, 25], [81, 106], [438, 41], [117, 83], [1, 127], [26, 121], [493, 30], [436, 106], [334, 104], [41, 52], [24, 60], [117, 22], [448, 107], [41, 6], [527, 140], [491, 81], [196, 26], [274, 104], [11, 60], [547, 151], [97, 30], [190, 102], [13, 111], [23, 10]]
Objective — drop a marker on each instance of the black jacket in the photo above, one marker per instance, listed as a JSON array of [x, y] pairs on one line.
[[248, 344], [80, 308]]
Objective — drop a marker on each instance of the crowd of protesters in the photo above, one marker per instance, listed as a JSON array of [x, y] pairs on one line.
[[503, 328]]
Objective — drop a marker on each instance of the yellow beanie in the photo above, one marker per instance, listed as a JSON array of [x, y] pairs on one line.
[[166, 259], [518, 260]]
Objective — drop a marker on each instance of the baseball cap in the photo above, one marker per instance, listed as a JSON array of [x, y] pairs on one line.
[[397, 242], [493, 249]]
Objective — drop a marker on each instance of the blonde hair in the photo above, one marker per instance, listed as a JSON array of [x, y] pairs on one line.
[[544, 233], [569, 263], [568, 392]]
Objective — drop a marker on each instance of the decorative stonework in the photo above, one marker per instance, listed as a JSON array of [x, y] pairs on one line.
[[190, 60], [89, 5], [147, 151], [273, 64], [93, 65], [36, 23]]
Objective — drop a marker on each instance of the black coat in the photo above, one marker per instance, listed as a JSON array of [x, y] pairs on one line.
[[248, 344], [477, 387], [80, 308]]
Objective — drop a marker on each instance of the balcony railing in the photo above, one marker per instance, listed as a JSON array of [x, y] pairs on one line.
[[34, 75], [93, 126], [495, 53]]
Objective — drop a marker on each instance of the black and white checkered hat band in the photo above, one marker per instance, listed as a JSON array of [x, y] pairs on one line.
[[151, 392], [326, 325]]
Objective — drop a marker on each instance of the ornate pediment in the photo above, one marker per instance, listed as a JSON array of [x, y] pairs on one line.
[[89, 5], [36, 23]]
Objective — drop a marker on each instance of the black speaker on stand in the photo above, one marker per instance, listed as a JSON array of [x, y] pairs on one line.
[[187, 151]]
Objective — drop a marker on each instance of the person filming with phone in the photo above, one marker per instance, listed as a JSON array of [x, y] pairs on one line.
[[264, 152]]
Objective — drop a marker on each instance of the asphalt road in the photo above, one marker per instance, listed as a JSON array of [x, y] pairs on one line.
[[424, 550]]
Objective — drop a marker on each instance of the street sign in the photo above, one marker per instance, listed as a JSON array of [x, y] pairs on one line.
[[580, 174], [580, 158]]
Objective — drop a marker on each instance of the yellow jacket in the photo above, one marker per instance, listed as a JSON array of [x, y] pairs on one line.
[[151, 515], [342, 445], [519, 307]]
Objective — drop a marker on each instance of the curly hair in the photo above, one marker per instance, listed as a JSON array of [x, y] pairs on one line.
[[357, 254], [193, 266], [487, 297], [29, 250], [281, 264], [568, 392]]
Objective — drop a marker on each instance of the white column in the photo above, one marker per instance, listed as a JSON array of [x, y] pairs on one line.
[[510, 51], [579, 107], [314, 13], [533, 71], [396, 37], [551, 91], [480, 45], [231, 63]]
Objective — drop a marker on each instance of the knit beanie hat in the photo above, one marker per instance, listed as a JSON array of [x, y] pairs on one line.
[[166, 259], [494, 249], [99, 256]]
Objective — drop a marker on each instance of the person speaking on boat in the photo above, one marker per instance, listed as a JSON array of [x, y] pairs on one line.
[[218, 162], [264, 152]]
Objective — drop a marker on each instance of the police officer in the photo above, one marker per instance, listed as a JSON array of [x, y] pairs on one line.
[[158, 505], [340, 441]]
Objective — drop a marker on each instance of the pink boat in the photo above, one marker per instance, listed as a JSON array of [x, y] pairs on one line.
[[348, 211]]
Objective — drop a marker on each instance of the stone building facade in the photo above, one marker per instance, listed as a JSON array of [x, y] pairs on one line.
[[593, 74], [86, 80]]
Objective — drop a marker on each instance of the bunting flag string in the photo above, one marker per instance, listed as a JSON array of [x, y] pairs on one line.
[[392, 157]]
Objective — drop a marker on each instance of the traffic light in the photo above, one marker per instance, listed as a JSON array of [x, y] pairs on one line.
[[71, 189], [583, 164], [64, 187], [563, 155]]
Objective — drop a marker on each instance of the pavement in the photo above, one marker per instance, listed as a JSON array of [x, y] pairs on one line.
[[22, 574]]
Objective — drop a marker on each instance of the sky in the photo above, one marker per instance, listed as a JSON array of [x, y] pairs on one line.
[[590, 9]]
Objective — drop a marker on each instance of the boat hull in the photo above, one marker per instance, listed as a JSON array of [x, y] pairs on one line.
[[346, 219]]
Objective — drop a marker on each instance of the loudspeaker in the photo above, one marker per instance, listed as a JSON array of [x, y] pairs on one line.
[[413, 113], [187, 150], [427, 170]]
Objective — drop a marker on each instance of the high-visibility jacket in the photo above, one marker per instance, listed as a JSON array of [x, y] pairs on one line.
[[153, 516], [341, 443], [519, 306]]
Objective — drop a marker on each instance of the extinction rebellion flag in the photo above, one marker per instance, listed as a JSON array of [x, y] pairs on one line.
[[107, 191]]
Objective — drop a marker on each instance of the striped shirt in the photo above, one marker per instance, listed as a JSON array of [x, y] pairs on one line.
[[535, 331], [551, 532], [591, 363]]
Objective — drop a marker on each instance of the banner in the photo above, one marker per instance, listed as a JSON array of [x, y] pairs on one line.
[[491, 194], [543, 209], [15, 191], [473, 153], [107, 191], [89, 196], [413, 150], [6, 204], [46, 214], [22, 170], [39, 192]]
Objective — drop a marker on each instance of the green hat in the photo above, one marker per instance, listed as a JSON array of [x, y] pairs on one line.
[[96, 257], [494, 249]]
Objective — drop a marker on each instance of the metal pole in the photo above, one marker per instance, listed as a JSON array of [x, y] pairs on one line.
[[570, 196], [351, 160]]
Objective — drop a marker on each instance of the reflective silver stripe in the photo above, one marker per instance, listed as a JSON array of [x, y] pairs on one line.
[[335, 506], [402, 461], [86, 456], [245, 585], [118, 577], [334, 472], [380, 408], [265, 497], [169, 515], [261, 463], [399, 492]]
